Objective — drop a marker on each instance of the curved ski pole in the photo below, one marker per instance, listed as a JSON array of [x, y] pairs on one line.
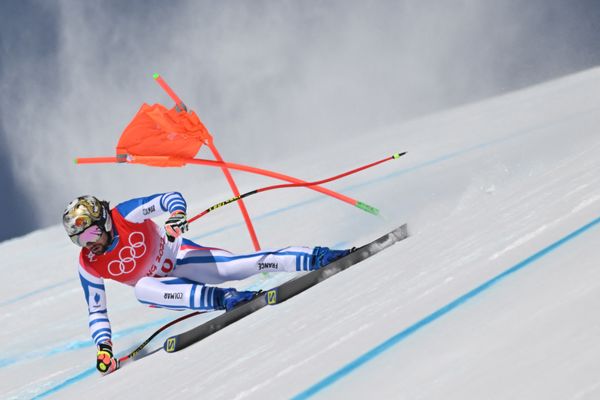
[[124, 359], [358, 204], [170, 161]]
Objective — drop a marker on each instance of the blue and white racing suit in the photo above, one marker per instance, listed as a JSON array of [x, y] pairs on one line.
[[168, 274]]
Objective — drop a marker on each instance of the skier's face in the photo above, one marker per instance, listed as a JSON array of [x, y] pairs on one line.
[[99, 246]]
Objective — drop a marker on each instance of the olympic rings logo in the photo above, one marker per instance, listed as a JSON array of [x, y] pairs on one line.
[[127, 255]]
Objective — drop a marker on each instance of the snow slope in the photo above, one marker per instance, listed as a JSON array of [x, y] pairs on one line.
[[494, 295]]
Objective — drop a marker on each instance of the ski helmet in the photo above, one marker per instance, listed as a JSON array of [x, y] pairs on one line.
[[84, 212]]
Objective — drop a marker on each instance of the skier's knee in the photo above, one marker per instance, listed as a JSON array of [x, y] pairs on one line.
[[226, 274], [142, 288]]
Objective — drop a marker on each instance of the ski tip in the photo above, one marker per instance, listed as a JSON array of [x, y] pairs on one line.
[[398, 155], [401, 232], [156, 76]]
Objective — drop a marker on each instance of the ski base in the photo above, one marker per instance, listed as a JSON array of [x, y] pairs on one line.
[[284, 291]]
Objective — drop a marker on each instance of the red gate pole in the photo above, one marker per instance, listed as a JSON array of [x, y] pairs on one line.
[[180, 106], [236, 193]]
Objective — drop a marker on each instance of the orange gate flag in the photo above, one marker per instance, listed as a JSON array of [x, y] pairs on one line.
[[173, 135]]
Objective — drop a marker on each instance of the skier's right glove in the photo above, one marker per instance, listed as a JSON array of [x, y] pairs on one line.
[[176, 225], [105, 361]]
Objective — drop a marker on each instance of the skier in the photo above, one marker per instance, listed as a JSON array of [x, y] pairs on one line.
[[165, 269]]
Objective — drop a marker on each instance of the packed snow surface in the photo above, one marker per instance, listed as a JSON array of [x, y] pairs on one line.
[[495, 295]]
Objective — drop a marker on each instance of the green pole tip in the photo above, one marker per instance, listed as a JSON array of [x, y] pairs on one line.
[[156, 76], [75, 160], [398, 155], [367, 208]]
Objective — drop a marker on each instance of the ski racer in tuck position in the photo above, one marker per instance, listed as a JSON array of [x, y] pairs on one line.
[[165, 269]]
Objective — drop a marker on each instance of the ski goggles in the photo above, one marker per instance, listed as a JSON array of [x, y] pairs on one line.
[[89, 235], [76, 224]]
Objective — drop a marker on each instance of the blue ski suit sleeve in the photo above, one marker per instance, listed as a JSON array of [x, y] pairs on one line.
[[95, 296], [143, 208]]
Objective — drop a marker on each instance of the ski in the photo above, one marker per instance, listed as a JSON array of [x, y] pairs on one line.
[[284, 291]]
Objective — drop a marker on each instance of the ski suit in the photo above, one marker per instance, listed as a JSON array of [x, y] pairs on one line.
[[168, 274]]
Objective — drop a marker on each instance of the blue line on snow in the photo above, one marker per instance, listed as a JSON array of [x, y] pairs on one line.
[[37, 291], [80, 344], [66, 383], [389, 343], [84, 374]]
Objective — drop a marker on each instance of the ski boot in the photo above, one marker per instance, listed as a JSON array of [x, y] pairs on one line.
[[322, 256], [232, 298]]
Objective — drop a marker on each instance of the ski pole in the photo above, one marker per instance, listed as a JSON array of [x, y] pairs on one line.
[[167, 160], [358, 204], [131, 356]]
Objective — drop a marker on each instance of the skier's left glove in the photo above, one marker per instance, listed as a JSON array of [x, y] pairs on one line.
[[176, 225], [105, 361]]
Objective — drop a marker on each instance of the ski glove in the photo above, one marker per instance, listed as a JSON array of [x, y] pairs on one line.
[[176, 225], [105, 361]]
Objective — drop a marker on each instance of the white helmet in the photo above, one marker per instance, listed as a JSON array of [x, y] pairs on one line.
[[84, 212]]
